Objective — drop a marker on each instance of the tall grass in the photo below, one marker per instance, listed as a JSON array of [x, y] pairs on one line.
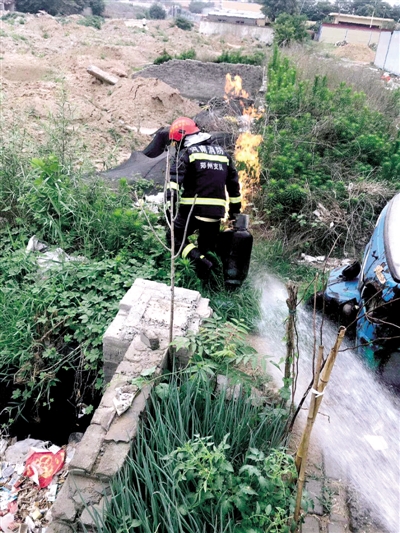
[[148, 493]]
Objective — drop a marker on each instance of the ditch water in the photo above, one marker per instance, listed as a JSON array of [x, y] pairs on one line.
[[359, 425]]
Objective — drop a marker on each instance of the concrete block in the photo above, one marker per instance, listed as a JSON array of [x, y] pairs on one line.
[[187, 295], [85, 490], [113, 459], [109, 371], [131, 297], [124, 427], [103, 416], [150, 339], [64, 507], [59, 527], [314, 489], [89, 513], [203, 308], [311, 525], [337, 527], [88, 449]]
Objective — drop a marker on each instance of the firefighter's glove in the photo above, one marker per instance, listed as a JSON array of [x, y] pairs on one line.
[[234, 209]]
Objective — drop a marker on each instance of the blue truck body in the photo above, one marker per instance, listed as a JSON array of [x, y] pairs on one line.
[[366, 297]]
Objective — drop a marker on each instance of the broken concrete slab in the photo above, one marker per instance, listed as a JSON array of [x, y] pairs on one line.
[[101, 75], [203, 81]]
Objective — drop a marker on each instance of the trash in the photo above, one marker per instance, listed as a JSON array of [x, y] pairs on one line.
[[123, 400], [7, 523], [41, 466], [18, 452]]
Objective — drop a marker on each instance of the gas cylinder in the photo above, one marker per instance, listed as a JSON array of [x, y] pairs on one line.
[[234, 248]]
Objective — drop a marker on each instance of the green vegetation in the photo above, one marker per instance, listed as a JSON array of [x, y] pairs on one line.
[[92, 21], [156, 11], [183, 23], [289, 29], [228, 56], [273, 8], [217, 462], [329, 161], [196, 6], [165, 56]]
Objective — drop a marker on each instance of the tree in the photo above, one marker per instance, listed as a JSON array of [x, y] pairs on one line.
[[196, 6], [97, 6], [156, 11], [290, 28], [316, 11], [53, 7], [273, 8]]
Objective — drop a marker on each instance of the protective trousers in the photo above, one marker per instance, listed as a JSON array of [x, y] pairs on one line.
[[206, 241]]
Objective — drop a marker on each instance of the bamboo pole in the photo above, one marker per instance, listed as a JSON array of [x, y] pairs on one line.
[[315, 402], [291, 302]]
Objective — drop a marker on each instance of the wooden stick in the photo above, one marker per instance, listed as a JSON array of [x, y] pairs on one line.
[[316, 399]]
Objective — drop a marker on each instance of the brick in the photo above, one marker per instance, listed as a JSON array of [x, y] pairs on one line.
[[64, 507], [314, 489], [124, 427], [59, 527], [85, 490], [103, 416], [88, 449], [311, 525], [88, 515], [113, 459], [337, 527]]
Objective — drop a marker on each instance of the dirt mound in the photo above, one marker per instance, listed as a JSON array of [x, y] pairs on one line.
[[359, 52]]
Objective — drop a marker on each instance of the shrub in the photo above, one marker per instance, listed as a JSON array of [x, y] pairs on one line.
[[163, 58], [228, 56], [97, 6], [157, 12], [183, 24], [329, 161], [188, 54], [197, 7], [92, 21], [289, 29]]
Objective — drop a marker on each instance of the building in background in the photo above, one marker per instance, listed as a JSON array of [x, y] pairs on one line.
[[388, 52], [352, 29]]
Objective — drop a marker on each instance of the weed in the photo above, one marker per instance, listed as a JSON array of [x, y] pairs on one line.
[[205, 457], [92, 21], [229, 56]]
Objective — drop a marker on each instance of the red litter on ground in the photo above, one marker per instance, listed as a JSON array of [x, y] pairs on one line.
[[41, 466]]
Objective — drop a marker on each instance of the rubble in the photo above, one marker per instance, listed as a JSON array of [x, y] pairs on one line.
[[26, 495], [101, 75]]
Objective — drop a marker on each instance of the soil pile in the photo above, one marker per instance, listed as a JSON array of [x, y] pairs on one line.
[[358, 52]]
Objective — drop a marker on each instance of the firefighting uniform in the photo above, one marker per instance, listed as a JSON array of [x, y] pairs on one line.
[[206, 174]]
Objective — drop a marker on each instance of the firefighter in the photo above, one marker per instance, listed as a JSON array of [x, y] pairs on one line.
[[205, 173]]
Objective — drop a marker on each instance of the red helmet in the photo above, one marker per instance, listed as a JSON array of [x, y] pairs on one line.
[[182, 126]]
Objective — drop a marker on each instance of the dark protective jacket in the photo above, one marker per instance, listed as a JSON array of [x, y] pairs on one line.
[[206, 170]]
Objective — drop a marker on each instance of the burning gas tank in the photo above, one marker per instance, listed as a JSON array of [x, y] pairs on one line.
[[234, 248]]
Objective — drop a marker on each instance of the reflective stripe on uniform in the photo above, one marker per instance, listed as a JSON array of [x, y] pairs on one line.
[[235, 200], [203, 201], [173, 185], [186, 251], [199, 156]]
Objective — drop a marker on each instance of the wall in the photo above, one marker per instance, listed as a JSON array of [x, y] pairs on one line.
[[136, 340], [263, 34], [333, 33], [388, 52]]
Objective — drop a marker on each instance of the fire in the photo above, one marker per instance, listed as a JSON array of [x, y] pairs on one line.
[[247, 143], [246, 152], [233, 87]]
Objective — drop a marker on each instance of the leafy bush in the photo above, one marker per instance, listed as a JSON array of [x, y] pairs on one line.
[[157, 12], [289, 29], [188, 54], [163, 58], [97, 7], [229, 56], [92, 21], [197, 6], [206, 458], [329, 161], [183, 24]]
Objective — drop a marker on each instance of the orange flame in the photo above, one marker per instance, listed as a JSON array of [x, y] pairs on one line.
[[246, 152], [247, 143], [233, 87]]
